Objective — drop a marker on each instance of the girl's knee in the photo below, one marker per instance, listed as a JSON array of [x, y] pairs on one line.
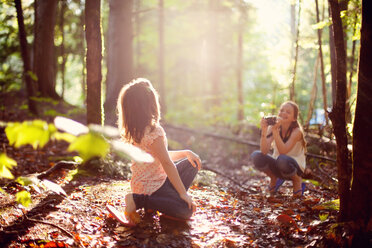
[[258, 160], [286, 168]]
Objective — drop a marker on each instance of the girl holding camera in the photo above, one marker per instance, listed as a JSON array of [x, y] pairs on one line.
[[288, 160]]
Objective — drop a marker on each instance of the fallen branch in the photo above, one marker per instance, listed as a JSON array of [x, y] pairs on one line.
[[237, 140]]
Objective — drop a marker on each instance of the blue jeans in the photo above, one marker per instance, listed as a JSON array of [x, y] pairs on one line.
[[166, 199], [284, 166]]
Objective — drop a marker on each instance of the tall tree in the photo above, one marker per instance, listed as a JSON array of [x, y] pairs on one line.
[[361, 190], [94, 59], [62, 46], [314, 92], [44, 51], [324, 90], [295, 60], [26, 60], [338, 111], [119, 54], [161, 57]]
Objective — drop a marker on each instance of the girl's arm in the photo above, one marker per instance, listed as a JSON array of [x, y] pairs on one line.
[[180, 154], [265, 143], [284, 148], [159, 150]]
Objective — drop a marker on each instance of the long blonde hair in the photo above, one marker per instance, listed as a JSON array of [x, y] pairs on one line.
[[137, 107]]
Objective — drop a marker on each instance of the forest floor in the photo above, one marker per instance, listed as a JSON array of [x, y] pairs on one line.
[[234, 208]]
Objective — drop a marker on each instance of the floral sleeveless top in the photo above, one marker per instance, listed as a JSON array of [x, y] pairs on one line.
[[148, 177]]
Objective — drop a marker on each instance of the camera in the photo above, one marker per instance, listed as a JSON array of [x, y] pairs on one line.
[[271, 120]]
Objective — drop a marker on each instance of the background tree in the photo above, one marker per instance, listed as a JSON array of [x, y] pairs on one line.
[[338, 112], [361, 189], [94, 58], [25, 57], [44, 51], [161, 56], [119, 54], [295, 60]]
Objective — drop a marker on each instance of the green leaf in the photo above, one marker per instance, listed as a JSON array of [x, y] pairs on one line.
[[6, 163], [320, 25], [5, 172], [24, 198], [25, 181], [332, 205], [64, 136], [32, 75], [36, 133], [323, 217], [90, 145]]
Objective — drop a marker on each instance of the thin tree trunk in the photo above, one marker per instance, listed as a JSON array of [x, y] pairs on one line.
[[26, 61], [294, 72], [361, 191], [324, 89], [314, 92], [161, 58], [352, 59], [338, 113], [83, 59], [94, 59], [333, 60], [62, 51], [240, 69]]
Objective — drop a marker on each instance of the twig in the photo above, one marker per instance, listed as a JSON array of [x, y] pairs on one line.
[[51, 224]]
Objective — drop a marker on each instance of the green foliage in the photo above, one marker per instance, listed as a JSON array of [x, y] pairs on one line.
[[332, 205], [24, 197], [89, 146], [323, 217], [6, 164], [36, 133]]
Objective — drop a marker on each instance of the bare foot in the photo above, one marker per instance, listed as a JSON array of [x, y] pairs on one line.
[[130, 210]]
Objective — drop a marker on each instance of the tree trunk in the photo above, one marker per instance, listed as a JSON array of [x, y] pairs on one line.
[[333, 60], [83, 61], [94, 59], [62, 48], [44, 52], [294, 72], [161, 59], [352, 60], [239, 69], [361, 190], [314, 92], [137, 21], [324, 89], [338, 112], [119, 54], [26, 60]]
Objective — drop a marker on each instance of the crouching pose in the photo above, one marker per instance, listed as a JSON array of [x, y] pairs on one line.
[[160, 185], [288, 161]]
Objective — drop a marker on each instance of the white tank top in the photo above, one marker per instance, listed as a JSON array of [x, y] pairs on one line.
[[297, 152]]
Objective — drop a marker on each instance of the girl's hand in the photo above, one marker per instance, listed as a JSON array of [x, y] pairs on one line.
[[277, 125], [264, 125], [189, 201], [194, 159]]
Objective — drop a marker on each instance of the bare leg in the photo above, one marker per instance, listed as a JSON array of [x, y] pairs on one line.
[[130, 209], [297, 180], [273, 178]]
